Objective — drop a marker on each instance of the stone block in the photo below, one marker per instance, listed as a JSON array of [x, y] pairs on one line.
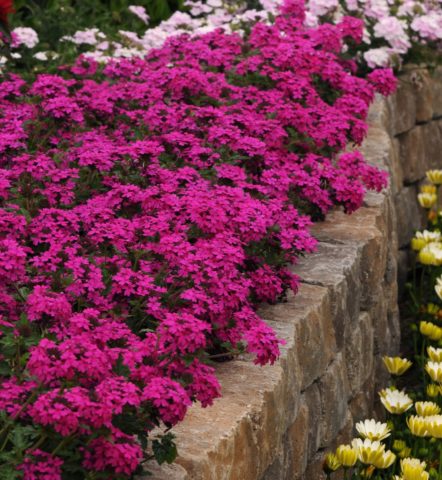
[[315, 343], [335, 393], [359, 346], [314, 470], [312, 398], [337, 268], [361, 406], [424, 96], [410, 217], [433, 144], [436, 81], [413, 154], [402, 107], [378, 113], [298, 437]]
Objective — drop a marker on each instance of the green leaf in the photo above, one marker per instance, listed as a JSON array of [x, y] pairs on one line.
[[164, 449]]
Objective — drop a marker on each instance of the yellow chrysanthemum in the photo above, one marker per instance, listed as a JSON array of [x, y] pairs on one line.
[[431, 254], [368, 452], [386, 460], [430, 330], [413, 469], [428, 189], [331, 462], [373, 430], [434, 424], [421, 239], [434, 369], [435, 354], [433, 390], [435, 176], [395, 401], [426, 409], [418, 426], [397, 365], [346, 455], [427, 200]]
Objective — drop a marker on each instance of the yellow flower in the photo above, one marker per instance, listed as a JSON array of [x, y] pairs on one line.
[[368, 452], [435, 176], [426, 409], [395, 401], [373, 430], [424, 238], [386, 460], [397, 365], [430, 330], [331, 462], [431, 254], [413, 469], [418, 426], [433, 390], [435, 354], [432, 309], [438, 287], [428, 189], [435, 426], [427, 200], [346, 455], [434, 369]]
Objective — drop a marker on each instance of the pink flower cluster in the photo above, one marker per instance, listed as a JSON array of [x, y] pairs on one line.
[[148, 207]]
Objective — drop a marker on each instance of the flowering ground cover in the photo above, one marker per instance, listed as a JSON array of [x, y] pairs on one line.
[[57, 31], [147, 207]]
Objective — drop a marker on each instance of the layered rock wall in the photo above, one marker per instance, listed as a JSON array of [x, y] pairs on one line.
[[277, 422]]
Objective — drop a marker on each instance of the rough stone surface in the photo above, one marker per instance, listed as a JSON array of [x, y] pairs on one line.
[[277, 422]]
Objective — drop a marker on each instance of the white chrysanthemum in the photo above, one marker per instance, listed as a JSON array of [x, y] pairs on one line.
[[373, 430]]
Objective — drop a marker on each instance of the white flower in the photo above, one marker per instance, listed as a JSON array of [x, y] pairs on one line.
[[395, 401], [373, 430], [43, 56], [140, 12], [25, 36], [90, 36]]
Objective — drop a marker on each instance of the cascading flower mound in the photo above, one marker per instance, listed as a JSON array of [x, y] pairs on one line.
[[147, 207]]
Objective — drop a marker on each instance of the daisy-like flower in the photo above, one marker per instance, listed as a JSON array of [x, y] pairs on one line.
[[431, 254], [434, 369], [430, 330], [395, 401], [435, 354], [413, 469], [373, 430], [426, 409], [346, 455], [434, 424], [368, 452], [427, 200], [396, 365], [418, 426], [438, 287], [386, 460], [433, 390], [421, 239], [435, 176], [331, 462]]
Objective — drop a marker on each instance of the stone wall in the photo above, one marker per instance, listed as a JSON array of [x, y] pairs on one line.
[[277, 422]]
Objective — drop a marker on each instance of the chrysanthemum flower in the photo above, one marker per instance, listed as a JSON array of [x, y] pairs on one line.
[[386, 460], [373, 430], [346, 455], [434, 369], [418, 425], [368, 452], [430, 330], [396, 365], [435, 176], [427, 200], [395, 401], [426, 409]]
